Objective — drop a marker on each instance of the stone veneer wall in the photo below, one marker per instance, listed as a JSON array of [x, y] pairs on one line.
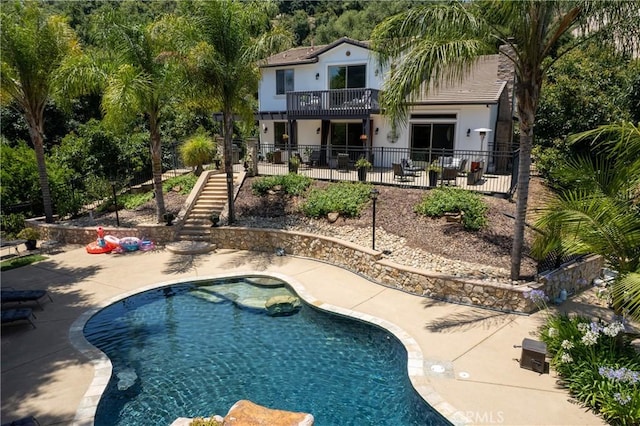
[[573, 277], [371, 264], [160, 234], [364, 261]]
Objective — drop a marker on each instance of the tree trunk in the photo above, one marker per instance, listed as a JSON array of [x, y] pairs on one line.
[[228, 161], [527, 94], [156, 167], [36, 131]]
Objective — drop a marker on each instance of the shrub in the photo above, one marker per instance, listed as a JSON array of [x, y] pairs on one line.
[[186, 183], [292, 184], [198, 150], [11, 224], [453, 200], [598, 364], [346, 198]]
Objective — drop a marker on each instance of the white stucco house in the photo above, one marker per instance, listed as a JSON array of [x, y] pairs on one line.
[[327, 97]]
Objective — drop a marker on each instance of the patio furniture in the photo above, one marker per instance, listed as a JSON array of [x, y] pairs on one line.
[[26, 421], [450, 172], [408, 166], [12, 243], [19, 314], [314, 158], [23, 296], [48, 246], [401, 174], [343, 162]]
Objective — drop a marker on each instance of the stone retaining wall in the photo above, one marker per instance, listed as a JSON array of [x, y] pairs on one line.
[[574, 276], [160, 234], [364, 261]]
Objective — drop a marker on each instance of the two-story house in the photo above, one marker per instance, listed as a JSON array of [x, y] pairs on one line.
[[327, 97]]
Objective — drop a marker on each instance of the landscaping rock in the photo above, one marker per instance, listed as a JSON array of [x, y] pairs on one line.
[[282, 305], [246, 413]]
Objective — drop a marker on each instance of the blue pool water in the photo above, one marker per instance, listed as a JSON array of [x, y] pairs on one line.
[[195, 349]]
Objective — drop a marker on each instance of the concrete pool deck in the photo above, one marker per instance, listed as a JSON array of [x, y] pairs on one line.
[[475, 372]]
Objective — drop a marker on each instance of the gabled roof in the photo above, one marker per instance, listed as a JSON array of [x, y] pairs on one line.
[[481, 86], [307, 54]]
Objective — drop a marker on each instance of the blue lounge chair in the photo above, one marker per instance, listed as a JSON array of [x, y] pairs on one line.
[[21, 314], [23, 296], [27, 421]]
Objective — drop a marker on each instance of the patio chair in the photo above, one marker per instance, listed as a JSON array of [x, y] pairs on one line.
[[314, 158], [408, 166], [20, 314], [23, 296], [343, 162], [450, 173], [48, 246], [401, 174]]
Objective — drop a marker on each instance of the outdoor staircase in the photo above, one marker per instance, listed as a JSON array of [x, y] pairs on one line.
[[212, 199]]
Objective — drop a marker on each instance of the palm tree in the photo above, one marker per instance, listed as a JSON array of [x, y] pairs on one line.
[[600, 212], [136, 82], [439, 42], [33, 47], [222, 63]]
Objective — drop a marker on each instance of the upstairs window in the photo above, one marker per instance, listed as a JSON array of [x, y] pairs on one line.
[[347, 77], [284, 81]]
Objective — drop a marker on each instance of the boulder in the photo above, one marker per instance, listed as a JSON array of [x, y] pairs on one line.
[[333, 216], [282, 305], [247, 413]]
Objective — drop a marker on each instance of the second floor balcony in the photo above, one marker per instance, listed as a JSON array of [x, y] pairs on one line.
[[343, 103]]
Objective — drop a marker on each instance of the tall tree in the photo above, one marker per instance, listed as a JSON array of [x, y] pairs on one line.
[[222, 66], [136, 83], [599, 212], [436, 42], [33, 48]]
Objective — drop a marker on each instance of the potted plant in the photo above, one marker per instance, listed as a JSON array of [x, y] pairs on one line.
[[433, 169], [31, 235], [168, 217], [294, 164], [215, 219], [362, 165]]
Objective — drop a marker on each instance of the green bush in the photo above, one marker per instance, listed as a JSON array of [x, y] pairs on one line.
[[11, 224], [453, 200], [292, 184], [346, 198], [199, 149], [598, 365], [186, 183]]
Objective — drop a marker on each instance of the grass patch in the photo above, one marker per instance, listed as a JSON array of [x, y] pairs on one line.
[[17, 262]]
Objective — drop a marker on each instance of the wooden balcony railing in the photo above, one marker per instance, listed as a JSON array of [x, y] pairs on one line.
[[344, 103]]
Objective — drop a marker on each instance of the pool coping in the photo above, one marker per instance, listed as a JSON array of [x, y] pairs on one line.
[[416, 370]]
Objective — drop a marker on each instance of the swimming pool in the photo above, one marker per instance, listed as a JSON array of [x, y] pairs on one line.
[[194, 349]]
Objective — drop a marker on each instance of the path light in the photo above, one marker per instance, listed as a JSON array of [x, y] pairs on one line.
[[115, 201], [374, 196]]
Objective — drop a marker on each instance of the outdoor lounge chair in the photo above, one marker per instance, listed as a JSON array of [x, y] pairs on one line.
[[23, 296], [401, 174], [26, 421], [314, 158], [20, 314]]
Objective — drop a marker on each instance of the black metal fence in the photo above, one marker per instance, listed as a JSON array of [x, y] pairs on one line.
[[482, 171]]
